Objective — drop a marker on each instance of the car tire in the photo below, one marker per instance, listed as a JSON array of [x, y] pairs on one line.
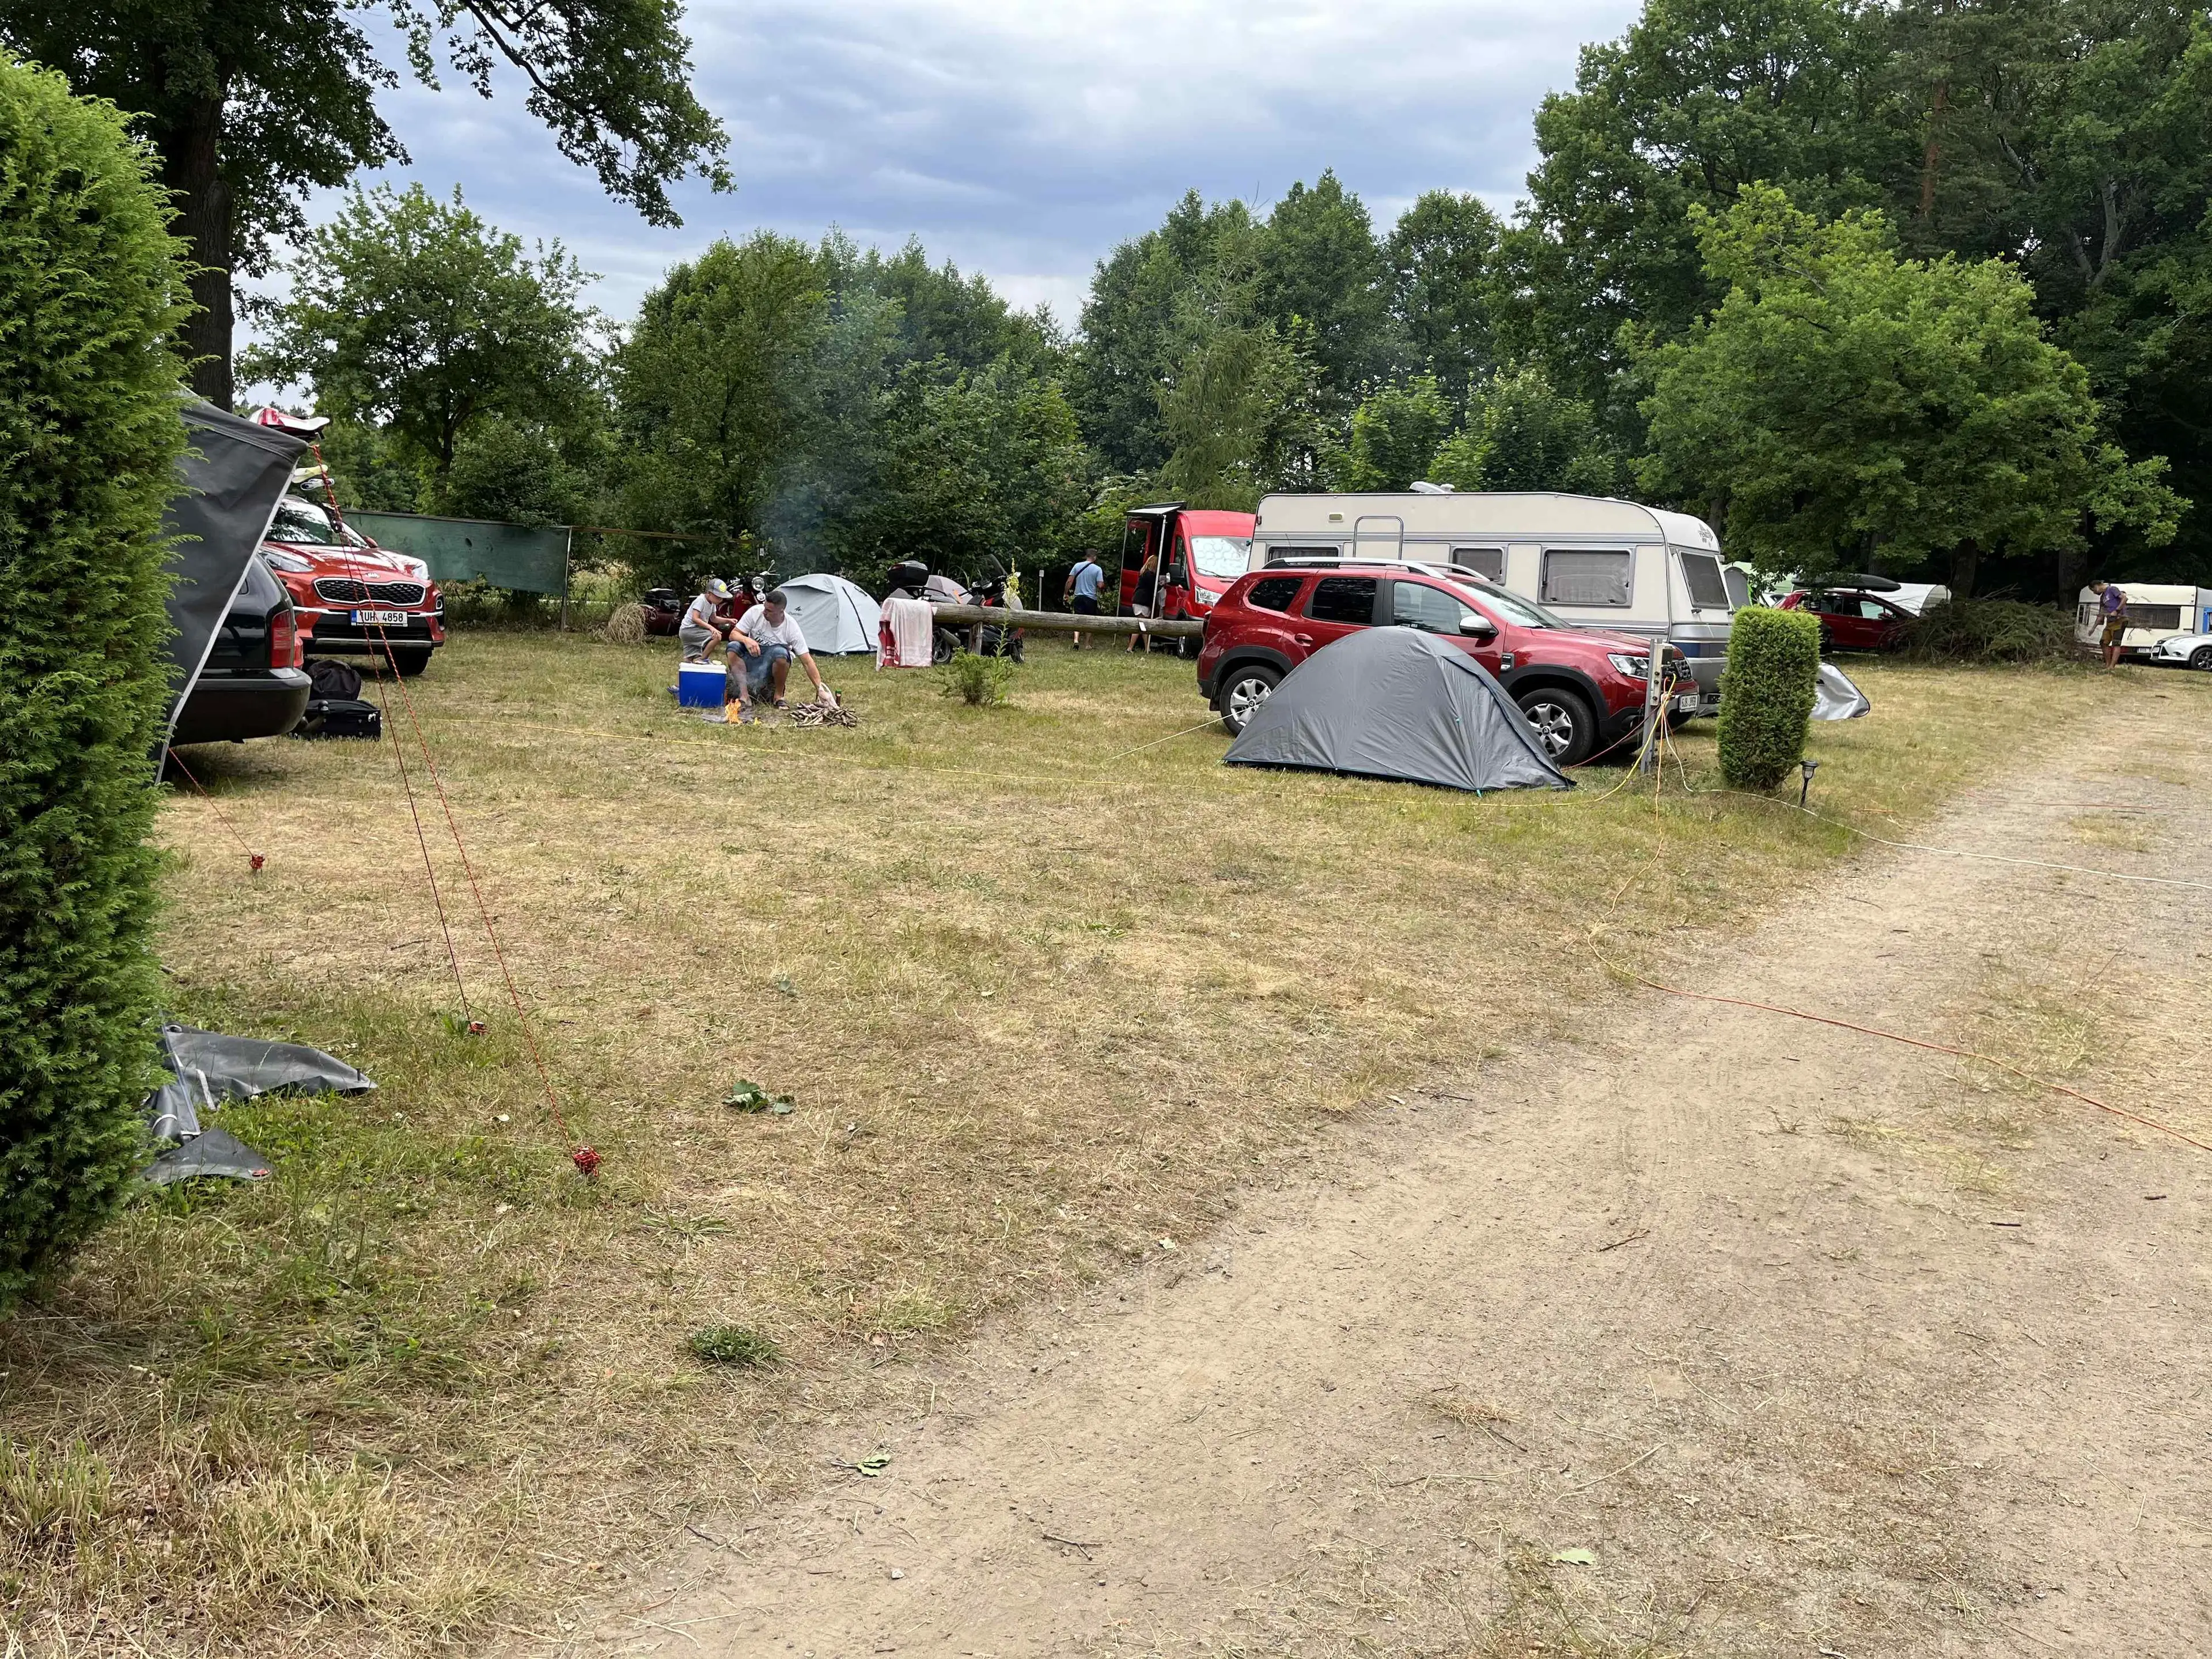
[[1244, 690], [411, 663], [1827, 640], [1565, 729], [2201, 658]]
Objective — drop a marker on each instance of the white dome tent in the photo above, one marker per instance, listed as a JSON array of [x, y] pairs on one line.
[[838, 618]]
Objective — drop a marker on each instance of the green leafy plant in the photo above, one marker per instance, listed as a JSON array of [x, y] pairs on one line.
[[733, 1345], [979, 682], [746, 1096], [1990, 630], [92, 288], [1767, 694]]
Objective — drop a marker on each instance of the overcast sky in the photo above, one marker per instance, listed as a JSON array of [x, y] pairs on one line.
[[1025, 140]]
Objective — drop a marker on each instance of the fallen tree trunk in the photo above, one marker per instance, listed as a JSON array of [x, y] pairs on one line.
[[1065, 622]]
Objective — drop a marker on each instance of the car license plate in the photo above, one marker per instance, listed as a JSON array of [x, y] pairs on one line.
[[1687, 703], [380, 619]]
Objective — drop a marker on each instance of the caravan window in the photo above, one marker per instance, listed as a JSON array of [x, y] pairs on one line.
[[1483, 561], [1572, 577], [1701, 574], [1739, 586], [1293, 554]]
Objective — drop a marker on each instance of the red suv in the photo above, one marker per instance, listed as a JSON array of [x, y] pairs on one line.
[[1582, 691], [353, 597], [1852, 619]]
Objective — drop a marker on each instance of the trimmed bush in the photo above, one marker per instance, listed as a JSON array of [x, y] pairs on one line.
[[1767, 694], [92, 289], [1992, 630]]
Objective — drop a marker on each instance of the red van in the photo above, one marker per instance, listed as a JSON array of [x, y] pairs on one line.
[[1581, 690], [1201, 553]]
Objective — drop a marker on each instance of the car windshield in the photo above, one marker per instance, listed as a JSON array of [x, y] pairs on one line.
[[1522, 613], [1224, 557], [305, 523]]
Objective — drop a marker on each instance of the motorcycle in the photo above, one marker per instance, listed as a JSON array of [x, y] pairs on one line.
[[911, 579]]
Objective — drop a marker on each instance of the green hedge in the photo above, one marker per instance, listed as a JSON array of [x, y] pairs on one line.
[[92, 288], [1767, 694]]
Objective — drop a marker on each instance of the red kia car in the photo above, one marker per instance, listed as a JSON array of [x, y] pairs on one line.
[[352, 597], [1582, 691], [1852, 619]]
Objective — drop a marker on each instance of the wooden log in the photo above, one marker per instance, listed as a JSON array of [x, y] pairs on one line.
[[1066, 622]]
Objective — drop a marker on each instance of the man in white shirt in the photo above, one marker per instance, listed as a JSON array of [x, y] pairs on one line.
[[761, 653]]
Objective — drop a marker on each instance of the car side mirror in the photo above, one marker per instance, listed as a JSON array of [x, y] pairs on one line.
[[1477, 627], [1178, 574]]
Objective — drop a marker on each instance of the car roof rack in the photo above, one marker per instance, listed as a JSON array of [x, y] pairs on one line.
[[1375, 561]]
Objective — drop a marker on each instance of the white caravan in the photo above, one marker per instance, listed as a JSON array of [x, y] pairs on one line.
[[2155, 614], [1594, 561]]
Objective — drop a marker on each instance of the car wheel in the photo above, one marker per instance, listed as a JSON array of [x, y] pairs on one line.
[[1244, 690], [2201, 658], [411, 663], [1562, 721], [1827, 640]]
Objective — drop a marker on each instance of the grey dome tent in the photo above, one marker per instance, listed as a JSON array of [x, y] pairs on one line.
[[1397, 703], [837, 617]]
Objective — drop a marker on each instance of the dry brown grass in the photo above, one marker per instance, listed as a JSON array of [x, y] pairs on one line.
[[1041, 1003]]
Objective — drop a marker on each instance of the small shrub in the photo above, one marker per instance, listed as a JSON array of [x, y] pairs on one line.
[[53, 1500], [1767, 694], [733, 1345], [979, 682], [1990, 630]]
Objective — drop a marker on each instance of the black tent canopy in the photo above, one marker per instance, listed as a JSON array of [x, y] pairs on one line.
[[231, 481], [1401, 704]]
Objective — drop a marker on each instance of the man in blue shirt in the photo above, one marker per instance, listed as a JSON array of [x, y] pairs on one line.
[[1080, 592]]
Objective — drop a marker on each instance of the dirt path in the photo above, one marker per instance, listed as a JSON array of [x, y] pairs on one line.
[[1722, 1334]]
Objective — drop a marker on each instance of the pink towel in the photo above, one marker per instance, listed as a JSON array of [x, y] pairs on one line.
[[908, 625]]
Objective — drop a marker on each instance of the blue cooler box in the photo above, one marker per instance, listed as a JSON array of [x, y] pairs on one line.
[[700, 684]]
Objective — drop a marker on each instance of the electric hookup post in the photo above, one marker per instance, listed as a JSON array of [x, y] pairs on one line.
[[1655, 706]]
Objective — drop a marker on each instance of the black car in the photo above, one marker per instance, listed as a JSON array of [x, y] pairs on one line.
[[252, 685]]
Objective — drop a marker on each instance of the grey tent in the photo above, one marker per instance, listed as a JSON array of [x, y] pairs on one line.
[[232, 478], [1398, 703], [837, 617]]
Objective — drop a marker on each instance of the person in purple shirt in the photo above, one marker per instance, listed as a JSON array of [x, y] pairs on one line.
[[2113, 602]]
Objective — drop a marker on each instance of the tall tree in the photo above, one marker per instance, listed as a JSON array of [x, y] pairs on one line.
[[1319, 265], [717, 386], [250, 102], [1240, 410], [1136, 322], [1699, 99], [1522, 433], [1442, 253], [1395, 433], [1847, 406], [2068, 137], [414, 313]]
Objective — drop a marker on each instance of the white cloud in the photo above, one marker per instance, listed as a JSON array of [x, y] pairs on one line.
[[1025, 140]]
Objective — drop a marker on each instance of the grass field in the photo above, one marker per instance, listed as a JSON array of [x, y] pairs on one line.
[[1046, 983]]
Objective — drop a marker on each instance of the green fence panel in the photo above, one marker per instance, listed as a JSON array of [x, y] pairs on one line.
[[474, 550]]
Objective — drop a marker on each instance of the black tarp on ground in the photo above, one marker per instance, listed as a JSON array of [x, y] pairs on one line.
[[211, 1068], [232, 477], [1397, 703]]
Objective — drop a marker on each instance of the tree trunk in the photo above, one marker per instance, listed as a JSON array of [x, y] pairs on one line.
[[1931, 157], [191, 168], [1966, 560]]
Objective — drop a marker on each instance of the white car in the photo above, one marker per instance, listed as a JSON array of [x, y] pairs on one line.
[[2182, 651]]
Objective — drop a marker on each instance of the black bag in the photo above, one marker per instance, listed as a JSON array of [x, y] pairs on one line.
[[333, 680], [340, 717]]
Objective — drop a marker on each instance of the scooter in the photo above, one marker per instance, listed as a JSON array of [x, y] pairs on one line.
[[994, 639], [911, 579]]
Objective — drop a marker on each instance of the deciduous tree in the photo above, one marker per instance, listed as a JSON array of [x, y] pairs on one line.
[[1845, 406]]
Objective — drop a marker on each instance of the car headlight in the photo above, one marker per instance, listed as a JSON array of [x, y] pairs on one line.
[[1199, 596], [1635, 668], [283, 561]]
